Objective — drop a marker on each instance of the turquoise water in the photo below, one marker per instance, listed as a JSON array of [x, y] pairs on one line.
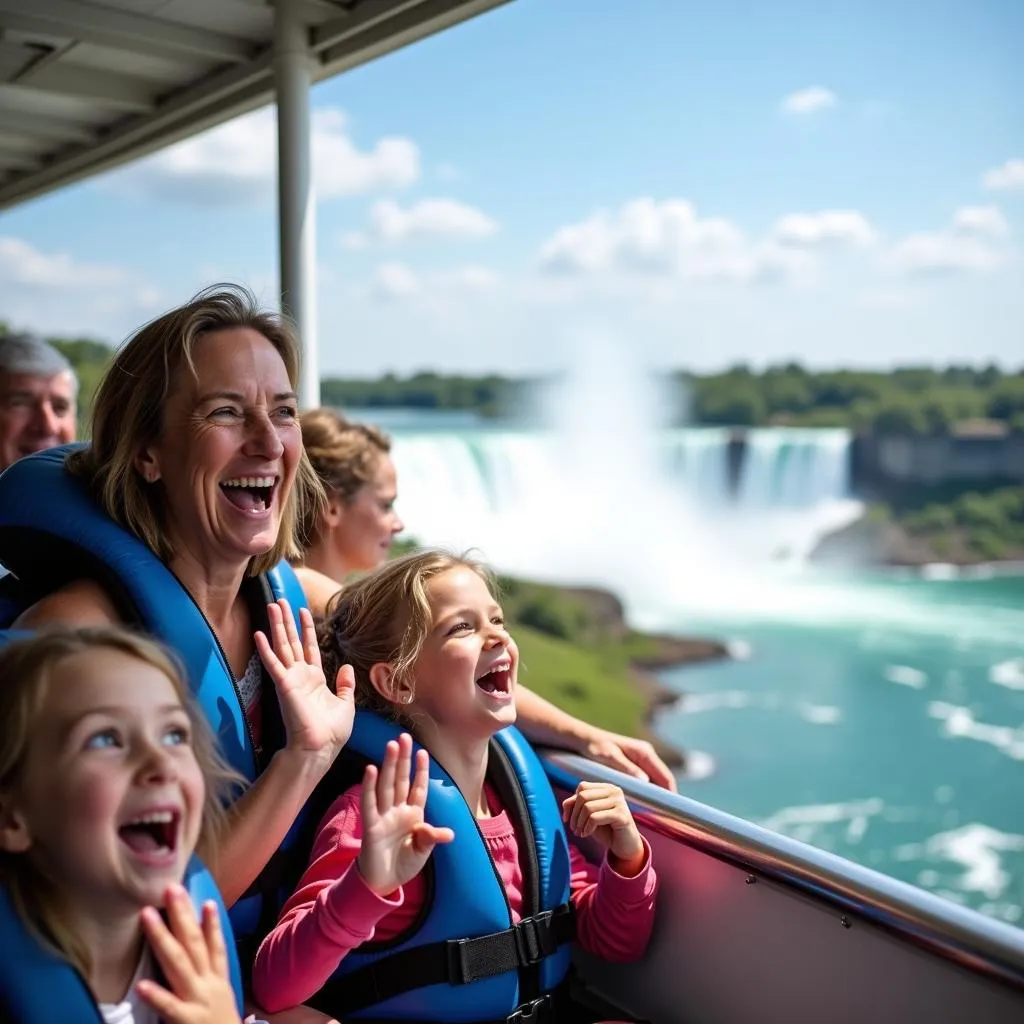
[[888, 729]]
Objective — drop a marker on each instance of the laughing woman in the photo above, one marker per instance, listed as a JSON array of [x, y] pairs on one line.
[[353, 533], [196, 450]]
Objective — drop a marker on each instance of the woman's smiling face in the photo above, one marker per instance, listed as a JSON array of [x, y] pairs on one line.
[[228, 450]]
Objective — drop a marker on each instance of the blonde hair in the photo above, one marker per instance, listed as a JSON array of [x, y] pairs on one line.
[[385, 617], [127, 414], [27, 668], [345, 455]]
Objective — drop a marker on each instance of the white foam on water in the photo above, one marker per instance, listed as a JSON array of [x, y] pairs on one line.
[[978, 849], [1008, 673], [820, 714], [959, 723], [906, 675], [814, 823], [739, 650], [695, 703], [699, 765], [940, 571]]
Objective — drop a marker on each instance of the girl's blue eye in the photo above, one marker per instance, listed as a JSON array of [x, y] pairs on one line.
[[177, 737], [102, 740]]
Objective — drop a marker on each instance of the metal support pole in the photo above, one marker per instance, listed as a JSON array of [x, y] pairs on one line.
[[296, 195]]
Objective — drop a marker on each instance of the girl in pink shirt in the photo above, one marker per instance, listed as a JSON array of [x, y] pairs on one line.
[[429, 648]]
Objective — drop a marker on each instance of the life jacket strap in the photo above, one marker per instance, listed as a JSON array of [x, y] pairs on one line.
[[455, 961]]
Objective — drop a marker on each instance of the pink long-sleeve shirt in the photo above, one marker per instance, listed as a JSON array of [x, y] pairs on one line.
[[333, 911]]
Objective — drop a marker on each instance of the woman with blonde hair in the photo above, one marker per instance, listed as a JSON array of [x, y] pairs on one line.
[[353, 533]]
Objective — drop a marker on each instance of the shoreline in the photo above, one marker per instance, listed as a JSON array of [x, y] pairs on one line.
[[672, 652]]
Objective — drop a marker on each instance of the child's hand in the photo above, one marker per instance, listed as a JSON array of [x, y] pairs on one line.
[[396, 839], [599, 809], [194, 962], [317, 721]]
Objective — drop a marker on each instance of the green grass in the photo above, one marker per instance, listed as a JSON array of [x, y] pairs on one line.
[[590, 682]]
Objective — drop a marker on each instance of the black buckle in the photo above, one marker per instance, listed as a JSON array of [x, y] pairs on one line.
[[535, 938], [457, 967], [532, 1013]]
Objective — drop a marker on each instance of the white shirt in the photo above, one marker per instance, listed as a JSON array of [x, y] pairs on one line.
[[131, 1009]]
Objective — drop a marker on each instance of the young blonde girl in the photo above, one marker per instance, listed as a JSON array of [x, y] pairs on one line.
[[108, 783], [429, 648]]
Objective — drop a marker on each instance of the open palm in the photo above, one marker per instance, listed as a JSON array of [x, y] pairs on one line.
[[397, 840], [317, 720]]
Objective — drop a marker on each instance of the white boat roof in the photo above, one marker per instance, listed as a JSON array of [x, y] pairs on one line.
[[85, 86]]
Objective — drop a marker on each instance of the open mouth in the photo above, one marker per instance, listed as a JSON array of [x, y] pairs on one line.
[[498, 678], [250, 493], [152, 833]]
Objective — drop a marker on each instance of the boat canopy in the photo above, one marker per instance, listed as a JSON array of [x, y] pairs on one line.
[[86, 85]]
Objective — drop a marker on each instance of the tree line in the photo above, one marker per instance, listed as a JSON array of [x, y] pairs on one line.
[[909, 400]]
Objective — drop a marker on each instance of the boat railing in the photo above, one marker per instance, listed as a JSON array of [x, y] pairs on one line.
[[737, 897]]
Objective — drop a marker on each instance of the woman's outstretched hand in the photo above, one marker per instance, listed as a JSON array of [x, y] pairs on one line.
[[629, 755], [194, 961], [318, 722], [396, 839]]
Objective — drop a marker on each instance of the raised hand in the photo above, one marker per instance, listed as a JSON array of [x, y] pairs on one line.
[[194, 961], [317, 721], [599, 809], [396, 839]]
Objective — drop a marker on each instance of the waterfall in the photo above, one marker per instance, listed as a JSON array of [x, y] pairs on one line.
[[593, 509]]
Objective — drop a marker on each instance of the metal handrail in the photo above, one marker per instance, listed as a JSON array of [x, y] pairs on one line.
[[937, 925]]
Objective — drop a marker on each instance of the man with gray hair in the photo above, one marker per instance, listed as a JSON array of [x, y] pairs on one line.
[[38, 389]]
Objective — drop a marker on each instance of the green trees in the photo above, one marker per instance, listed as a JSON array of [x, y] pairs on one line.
[[910, 400], [907, 400], [987, 525]]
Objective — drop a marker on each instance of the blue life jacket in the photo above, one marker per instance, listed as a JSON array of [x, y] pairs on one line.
[[52, 532], [38, 986], [463, 959]]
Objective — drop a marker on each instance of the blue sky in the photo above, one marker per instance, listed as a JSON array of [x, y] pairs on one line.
[[841, 183]]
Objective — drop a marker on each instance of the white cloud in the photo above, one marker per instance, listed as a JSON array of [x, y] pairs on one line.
[[397, 282], [981, 220], [55, 292], [23, 265], [828, 227], [648, 239], [809, 101], [1008, 176], [236, 163], [974, 241], [429, 217]]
